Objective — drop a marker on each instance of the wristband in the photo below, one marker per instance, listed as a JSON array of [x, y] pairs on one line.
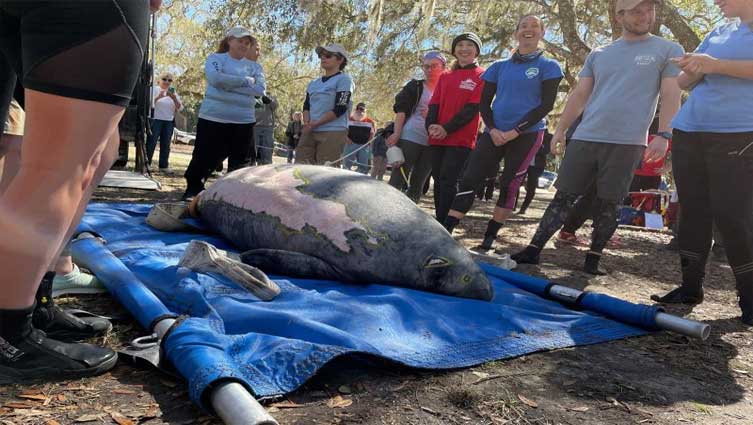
[[665, 134]]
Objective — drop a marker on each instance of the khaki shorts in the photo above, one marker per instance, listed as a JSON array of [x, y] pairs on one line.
[[318, 147], [610, 166], [14, 125]]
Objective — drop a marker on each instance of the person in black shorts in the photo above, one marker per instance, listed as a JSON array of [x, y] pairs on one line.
[[78, 62]]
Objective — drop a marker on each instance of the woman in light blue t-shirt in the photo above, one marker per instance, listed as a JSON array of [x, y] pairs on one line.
[[713, 156], [226, 117]]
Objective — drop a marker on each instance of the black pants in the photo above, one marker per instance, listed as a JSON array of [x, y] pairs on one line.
[[214, 142], [518, 155], [714, 176], [532, 183], [583, 209], [447, 164], [417, 167]]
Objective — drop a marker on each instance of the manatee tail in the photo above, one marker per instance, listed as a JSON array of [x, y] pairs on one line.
[[293, 264]]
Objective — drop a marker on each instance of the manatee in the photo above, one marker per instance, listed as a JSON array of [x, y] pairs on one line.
[[327, 223]]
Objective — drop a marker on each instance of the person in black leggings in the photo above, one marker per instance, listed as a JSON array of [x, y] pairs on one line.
[[713, 157], [524, 89], [78, 62]]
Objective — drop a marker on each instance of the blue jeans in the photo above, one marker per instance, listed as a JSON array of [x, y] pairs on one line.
[[360, 159], [162, 130], [265, 144]]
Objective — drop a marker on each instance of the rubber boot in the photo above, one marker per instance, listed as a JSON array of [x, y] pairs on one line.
[[27, 354], [492, 229], [693, 268], [450, 223], [530, 255], [59, 324], [591, 265]]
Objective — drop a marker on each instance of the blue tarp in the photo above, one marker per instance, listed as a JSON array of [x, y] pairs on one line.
[[274, 347]]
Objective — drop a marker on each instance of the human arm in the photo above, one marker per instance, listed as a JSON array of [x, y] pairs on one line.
[[399, 124], [670, 94], [576, 103]]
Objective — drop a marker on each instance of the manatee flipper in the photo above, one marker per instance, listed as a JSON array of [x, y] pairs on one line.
[[289, 263]]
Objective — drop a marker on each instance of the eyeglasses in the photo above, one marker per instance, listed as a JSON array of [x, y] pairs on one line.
[[169, 80]]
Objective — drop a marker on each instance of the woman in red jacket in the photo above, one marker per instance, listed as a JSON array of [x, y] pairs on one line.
[[453, 120]]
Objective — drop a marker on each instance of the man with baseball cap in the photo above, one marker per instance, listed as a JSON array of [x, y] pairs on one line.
[[617, 93], [326, 109]]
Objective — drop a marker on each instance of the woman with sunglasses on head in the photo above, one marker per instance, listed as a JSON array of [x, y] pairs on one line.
[[453, 119], [411, 107], [166, 103], [518, 94], [226, 118], [712, 158], [326, 110]]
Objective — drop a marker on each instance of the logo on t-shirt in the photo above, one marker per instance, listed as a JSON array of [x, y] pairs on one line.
[[643, 60], [468, 84], [532, 73]]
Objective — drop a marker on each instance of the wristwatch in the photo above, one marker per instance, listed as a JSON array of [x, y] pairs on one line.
[[665, 134]]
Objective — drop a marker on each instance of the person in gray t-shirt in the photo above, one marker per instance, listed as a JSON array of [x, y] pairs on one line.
[[617, 93]]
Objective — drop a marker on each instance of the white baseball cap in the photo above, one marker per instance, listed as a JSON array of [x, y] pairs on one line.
[[333, 48], [238, 32], [629, 4]]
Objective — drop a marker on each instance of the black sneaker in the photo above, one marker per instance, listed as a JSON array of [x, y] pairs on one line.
[[26, 354], [591, 265], [60, 324], [530, 255]]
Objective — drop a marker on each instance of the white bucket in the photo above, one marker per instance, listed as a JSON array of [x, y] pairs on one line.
[[395, 156]]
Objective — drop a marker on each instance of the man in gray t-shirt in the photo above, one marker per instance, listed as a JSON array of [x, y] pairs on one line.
[[617, 94]]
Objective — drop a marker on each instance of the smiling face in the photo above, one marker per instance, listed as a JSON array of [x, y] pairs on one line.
[[529, 33], [239, 47], [466, 52], [166, 80], [639, 20]]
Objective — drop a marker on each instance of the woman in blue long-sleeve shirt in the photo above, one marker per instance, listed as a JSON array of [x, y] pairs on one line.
[[226, 117]]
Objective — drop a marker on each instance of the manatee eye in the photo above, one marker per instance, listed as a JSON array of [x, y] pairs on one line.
[[434, 262], [467, 278]]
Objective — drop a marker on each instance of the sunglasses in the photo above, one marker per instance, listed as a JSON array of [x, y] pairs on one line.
[[326, 55], [169, 80]]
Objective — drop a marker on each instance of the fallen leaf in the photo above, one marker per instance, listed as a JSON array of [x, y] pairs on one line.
[[120, 419], [38, 397], [344, 389], [18, 405], [741, 372], [87, 418], [338, 402], [528, 402], [401, 386], [287, 404]]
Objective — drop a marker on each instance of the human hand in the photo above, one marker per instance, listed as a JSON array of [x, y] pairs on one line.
[[558, 143], [438, 132], [696, 63], [656, 149], [510, 135], [393, 139], [498, 137]]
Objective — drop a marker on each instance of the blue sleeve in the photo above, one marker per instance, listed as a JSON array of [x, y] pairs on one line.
[[588, 67], [492, 73], [258, 88], [216, 78], [705, 43], [552, 70]]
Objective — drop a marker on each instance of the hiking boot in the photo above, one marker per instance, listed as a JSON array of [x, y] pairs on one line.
[[591, 265], [680, 295], [60, 324], [530, 255], [570, 239], [28, 354]]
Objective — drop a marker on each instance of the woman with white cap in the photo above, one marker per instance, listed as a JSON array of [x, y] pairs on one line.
[[326, 109], [411, 107], [226, 117]]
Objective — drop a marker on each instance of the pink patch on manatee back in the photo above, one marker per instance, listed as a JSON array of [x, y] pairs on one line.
[[271, 190]]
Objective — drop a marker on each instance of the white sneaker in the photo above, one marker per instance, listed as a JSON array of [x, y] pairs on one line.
[[76, 282]]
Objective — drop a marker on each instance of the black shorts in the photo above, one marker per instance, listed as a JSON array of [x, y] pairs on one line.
[[81, 49]]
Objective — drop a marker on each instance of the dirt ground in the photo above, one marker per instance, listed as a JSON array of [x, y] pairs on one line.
[[657, 379]]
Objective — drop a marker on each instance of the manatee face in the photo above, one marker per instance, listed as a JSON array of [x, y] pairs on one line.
[[456, 275]]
